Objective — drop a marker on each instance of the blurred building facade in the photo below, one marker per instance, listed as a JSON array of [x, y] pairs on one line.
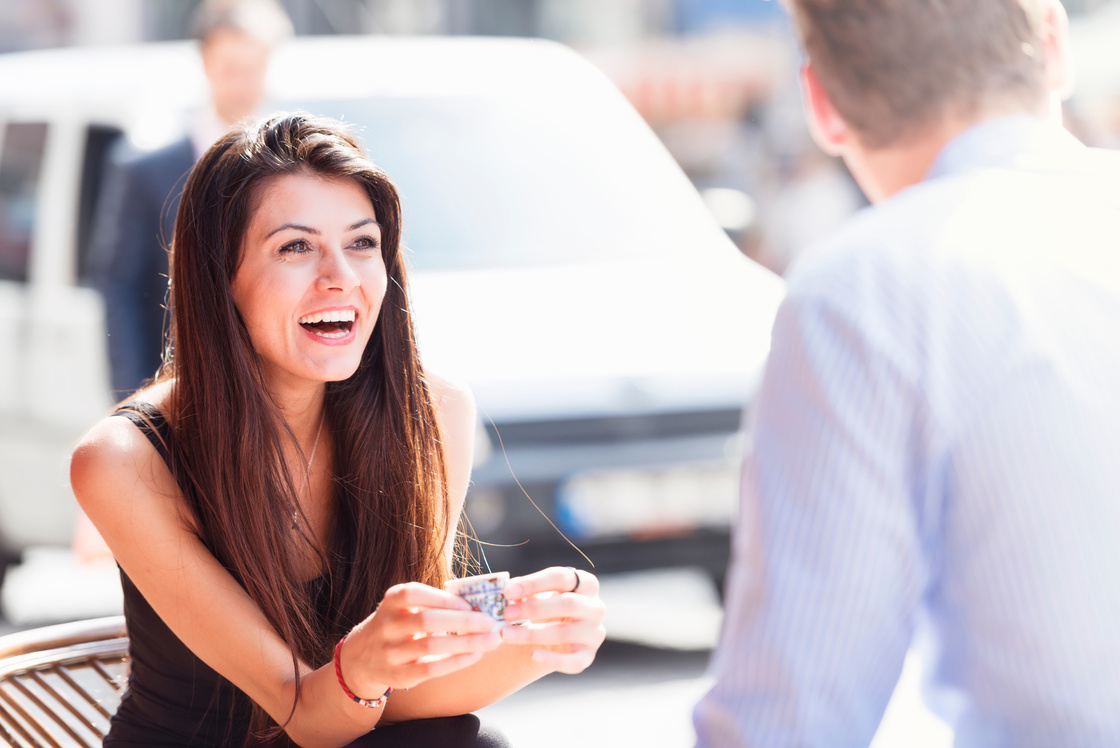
[[716, 79], [26, 24]]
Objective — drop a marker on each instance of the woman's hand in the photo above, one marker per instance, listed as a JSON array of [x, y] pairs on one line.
[[418, 632], [563, 614]]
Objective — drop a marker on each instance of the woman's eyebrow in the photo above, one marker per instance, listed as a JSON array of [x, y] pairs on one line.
[[296, 226], [309, 230]]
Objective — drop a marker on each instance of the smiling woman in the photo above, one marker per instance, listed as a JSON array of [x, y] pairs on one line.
[[311, 275], [283, 500]]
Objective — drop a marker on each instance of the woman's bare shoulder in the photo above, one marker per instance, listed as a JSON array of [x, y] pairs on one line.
[[115, 451], [158, 395], [109, 452], [451, 397], [458, 420]]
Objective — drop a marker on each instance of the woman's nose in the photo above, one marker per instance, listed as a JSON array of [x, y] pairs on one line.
[[336, 273]]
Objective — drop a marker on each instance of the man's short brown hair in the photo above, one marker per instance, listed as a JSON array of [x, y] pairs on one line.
[[891, 67]]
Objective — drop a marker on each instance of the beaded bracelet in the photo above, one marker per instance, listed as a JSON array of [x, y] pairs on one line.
[[371, 703]]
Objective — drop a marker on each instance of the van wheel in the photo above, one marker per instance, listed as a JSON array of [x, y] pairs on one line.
[[7, 558], [719, 579]]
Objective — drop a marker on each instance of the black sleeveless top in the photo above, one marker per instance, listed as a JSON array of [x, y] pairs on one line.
[[175, 700]]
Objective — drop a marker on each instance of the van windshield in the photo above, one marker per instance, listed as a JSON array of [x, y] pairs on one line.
[[502, 181]]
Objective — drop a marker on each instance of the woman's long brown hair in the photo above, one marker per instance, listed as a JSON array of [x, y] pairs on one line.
[[390, 496]]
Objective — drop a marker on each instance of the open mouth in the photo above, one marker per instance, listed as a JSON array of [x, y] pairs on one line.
[[336, 323]]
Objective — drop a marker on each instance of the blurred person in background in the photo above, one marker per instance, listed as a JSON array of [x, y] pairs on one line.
[[140, 198], [136, 212], [935, 439], [283, 500]]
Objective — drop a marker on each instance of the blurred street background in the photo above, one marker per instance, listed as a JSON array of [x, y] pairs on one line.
[[716, 80]]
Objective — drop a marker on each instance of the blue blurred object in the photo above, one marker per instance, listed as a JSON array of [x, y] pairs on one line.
[[702, 16]]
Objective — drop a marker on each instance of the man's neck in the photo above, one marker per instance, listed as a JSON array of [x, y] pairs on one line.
[[884, 171]]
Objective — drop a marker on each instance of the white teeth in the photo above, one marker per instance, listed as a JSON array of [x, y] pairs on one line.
[[335, 315], [339, 334]]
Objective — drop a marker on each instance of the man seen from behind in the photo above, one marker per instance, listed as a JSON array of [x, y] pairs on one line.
[[935, 442]]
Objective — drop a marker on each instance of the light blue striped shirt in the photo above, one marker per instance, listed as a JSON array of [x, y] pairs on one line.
[[936, 454]]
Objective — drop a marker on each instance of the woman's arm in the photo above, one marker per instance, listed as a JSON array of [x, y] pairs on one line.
[[458, 421], [562, 633], [564, 629], [129, 494]]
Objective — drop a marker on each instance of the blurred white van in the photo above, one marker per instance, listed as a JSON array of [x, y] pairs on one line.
[[563, 266]]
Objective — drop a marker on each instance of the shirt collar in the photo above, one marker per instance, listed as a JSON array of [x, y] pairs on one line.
[[1003, 141], [206, 127]]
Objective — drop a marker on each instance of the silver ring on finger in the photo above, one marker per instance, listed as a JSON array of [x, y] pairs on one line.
[[576, 572]]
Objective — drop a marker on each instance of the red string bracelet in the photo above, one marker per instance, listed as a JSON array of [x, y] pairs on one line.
[[372, 704]]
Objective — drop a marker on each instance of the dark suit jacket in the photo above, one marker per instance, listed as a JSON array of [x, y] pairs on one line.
[[132, 233]]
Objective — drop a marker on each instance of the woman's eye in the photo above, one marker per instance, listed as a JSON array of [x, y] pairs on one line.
[[366, 243], [298, 247]]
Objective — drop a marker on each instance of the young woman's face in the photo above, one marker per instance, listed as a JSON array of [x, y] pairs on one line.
[[311, 278]]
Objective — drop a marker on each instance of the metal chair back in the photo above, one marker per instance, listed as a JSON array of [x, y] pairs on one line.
[[60, 684]]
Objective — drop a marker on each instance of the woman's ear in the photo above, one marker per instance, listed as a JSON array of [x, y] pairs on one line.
[[827, 127]]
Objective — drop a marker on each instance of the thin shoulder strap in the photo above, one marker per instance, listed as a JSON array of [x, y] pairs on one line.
[[151, 423]]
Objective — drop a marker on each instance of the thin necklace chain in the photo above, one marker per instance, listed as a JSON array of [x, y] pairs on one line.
[[307, 474]]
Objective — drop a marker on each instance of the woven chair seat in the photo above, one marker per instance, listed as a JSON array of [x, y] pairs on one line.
[[60, 684]]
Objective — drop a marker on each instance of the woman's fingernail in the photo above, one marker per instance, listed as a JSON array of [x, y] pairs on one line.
[[513, 612]]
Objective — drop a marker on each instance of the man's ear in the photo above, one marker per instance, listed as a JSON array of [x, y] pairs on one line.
[[1055, 50], [826, 125]]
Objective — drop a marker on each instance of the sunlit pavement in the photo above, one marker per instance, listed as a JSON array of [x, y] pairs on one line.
[[50, 586], [639, 692]]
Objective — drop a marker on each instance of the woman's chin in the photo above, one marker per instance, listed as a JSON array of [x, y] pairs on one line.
[[316, 375], [339, 374]]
